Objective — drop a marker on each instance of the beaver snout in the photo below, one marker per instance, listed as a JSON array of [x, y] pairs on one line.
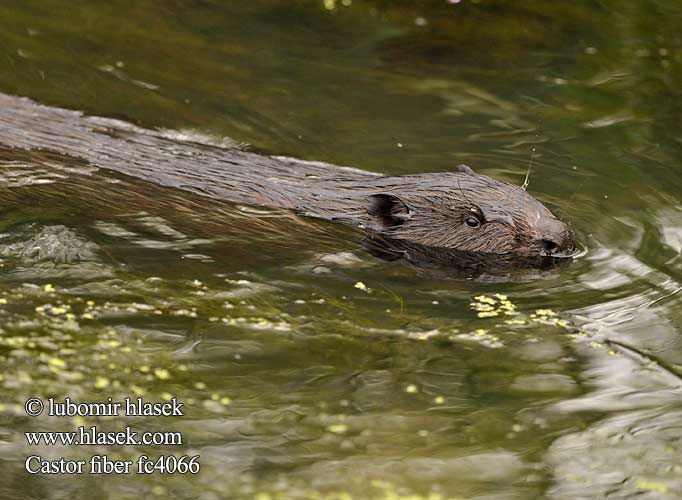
[[557, 239]]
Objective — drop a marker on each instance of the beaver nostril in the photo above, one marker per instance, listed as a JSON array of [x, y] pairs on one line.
[[549, 245]]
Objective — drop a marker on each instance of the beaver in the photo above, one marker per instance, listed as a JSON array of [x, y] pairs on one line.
[[459, 210]]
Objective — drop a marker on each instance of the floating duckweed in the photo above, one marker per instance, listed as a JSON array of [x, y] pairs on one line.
[[57, 362], [546, 313], [225, 401], [215, 396], [581, 335], [485, 300], [507, 307], [338, 428], [439, 400], [422, 433], [101, 382], [48, 288], [200, 386], [411, 389], [642, 484], [57, 340], [166, 396], [596, 345], [488, 307], [361, 286]]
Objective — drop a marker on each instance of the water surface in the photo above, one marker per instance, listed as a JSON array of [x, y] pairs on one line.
[[309, 368]]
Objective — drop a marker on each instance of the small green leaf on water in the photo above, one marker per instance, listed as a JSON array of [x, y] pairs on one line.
[[57, 362], [101, 382], [642, 484], [485, 300]]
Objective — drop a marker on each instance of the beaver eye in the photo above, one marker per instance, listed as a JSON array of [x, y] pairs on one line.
[[472, 221]]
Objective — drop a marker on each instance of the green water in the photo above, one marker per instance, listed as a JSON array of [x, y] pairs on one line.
[[309, 369]]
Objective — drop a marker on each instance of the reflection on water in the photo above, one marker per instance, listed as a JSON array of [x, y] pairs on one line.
[[309, 368]]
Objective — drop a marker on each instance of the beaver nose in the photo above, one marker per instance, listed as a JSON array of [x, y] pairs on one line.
[[557, 238], [549, 245]]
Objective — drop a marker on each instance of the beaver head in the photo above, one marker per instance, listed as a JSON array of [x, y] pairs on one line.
[[469, 212]]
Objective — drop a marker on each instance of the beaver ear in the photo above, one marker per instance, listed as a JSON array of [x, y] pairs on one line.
[[465, 169], [387, 209]]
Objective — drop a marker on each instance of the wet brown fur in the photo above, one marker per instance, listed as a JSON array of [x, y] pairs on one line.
[[427, 209]]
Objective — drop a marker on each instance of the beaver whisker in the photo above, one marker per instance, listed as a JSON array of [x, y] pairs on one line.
[[530, 164]]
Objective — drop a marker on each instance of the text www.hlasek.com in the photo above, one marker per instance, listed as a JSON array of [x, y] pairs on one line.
[[91, 436]]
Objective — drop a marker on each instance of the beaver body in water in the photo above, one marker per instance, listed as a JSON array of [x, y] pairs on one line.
[[460, 211]]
